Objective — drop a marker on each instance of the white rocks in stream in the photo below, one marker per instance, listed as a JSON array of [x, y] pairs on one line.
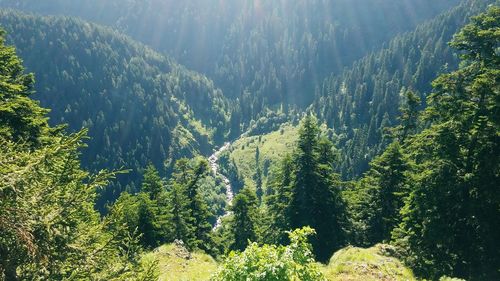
[[214, 165]]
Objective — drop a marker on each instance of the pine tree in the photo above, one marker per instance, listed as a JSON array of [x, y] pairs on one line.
[[305, 174], [384, 189], [191, 213], [200, 215], [315, 191], [244, 221], [147, 222], [152, 183], [180, 216], [49, 229], [278, 202], [450, 219]]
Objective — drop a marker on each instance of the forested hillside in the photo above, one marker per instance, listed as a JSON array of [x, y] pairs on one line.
[[139, 106], [349, 140], [366, 98], [265, 53], [49, 229]]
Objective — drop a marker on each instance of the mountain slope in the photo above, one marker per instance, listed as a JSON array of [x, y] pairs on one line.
[[359, 103], [265, 53], [138, 105]]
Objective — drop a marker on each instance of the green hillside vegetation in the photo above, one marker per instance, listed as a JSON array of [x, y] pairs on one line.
[[359, 103], [138, 105], [383, 177], [49, 229], [271, 148], [264, 53], [176, 263], [372, 264]]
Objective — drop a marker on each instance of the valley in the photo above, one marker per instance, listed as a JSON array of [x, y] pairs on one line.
[[230, 140], [214, 165]]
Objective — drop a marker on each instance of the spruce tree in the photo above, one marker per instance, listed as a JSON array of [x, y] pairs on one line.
[[244, 220], [315, 191], [305, 179], [190, 211], [383, 189], [278, 202], [450, 220], [180, 216], [200, 215], [152, 183]]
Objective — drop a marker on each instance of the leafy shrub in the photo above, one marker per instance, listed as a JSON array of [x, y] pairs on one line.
[[269, 262]]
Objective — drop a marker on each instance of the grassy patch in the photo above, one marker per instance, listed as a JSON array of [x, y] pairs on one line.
[[272, 147], [175, 263], [367, 265]]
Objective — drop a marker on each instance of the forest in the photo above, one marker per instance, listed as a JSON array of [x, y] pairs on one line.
[[349, 140]]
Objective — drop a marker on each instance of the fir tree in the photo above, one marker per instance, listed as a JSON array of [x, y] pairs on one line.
[[451, 216], [315, 191], [244, 221], [152, 183]]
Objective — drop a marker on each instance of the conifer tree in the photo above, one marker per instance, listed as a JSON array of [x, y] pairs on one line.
[[180, 216], [191, 213], [315, 191], [147, 221], [49, 229], [244, 221], [383, 189], [278, 202], [450, 220], [152, 183]]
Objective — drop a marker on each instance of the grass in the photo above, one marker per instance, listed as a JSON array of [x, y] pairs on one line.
[[370, 264], [272, 148], [349, 264], [175, 263]]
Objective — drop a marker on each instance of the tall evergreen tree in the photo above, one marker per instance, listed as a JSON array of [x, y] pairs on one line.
[[152, 183], [244, 222], [181, 216], [305, 179], [147, 221], [200, 215], [278, 202], [191, 213], [382, 191], [315, 190], [450, 220]]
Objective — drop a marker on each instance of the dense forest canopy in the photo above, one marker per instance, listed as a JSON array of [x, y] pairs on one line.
[[333, 125], [263, 52], [139, 106]]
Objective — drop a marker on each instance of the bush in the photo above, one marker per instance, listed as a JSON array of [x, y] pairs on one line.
[[269, 262]]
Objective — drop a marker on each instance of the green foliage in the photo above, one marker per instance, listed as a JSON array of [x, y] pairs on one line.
[[48, 226], [293, 262], [360, 102], [152, 183], [376, 200], [315, 191], [163, 213], [278, 202], [138, 105], [243, 225], [450, 218], [22, 120]]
